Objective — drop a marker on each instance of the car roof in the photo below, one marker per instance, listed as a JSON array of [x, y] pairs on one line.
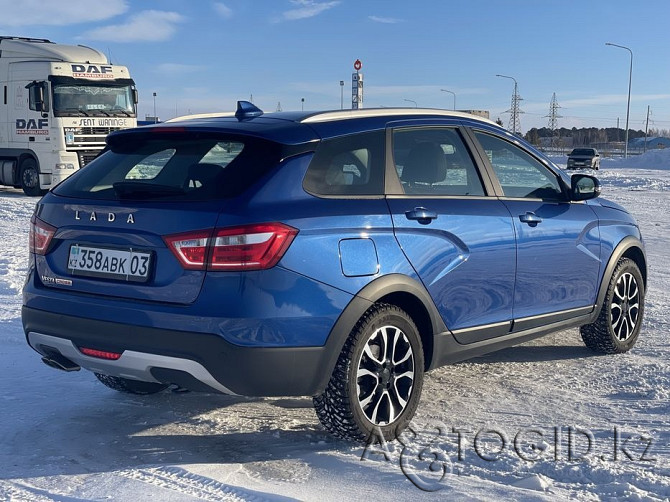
[[296, 127]]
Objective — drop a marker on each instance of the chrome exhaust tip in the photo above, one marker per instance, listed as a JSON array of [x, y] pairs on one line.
[[60, 363]]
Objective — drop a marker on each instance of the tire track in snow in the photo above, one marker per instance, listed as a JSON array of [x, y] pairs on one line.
[[182, 481]]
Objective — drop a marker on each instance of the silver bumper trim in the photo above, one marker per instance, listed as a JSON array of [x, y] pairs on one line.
[[131, 364]]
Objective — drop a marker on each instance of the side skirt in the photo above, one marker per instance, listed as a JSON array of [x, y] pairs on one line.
[[448, 350]]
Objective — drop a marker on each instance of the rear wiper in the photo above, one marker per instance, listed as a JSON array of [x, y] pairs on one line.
[[142, 190]]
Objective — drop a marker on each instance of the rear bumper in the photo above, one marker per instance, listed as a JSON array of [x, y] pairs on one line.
[[196, 361]]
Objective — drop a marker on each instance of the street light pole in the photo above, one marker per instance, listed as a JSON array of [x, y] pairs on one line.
[[341, 94], [411, 101], [451, 92], [302, 104], [630, 81], [155, 117]]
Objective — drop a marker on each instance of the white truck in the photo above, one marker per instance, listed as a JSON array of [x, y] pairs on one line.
[[57, 104]]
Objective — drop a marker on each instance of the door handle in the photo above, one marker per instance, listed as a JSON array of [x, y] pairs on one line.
[[421, 214], [531, 218]]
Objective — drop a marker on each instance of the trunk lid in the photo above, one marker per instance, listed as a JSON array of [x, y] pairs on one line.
[[117, 231]]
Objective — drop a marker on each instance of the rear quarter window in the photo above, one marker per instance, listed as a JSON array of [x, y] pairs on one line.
[[348, 166]]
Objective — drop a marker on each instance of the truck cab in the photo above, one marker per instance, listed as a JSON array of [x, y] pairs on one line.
[[57, 105]]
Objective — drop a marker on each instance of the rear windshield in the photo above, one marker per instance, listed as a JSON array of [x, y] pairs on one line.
[[169, 168], [583, 151]]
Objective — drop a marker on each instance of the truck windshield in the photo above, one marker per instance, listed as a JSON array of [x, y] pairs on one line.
[[93, 100]]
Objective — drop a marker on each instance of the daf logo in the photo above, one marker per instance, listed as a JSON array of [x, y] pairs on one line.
[[93, 216]]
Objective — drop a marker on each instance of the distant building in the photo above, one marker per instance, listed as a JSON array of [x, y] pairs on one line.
[[478, 113]]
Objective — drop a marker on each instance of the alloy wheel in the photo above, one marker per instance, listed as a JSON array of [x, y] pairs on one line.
[[385, 375], [625, 307]]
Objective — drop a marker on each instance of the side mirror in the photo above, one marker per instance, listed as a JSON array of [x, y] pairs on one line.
[[584, 187], [135, 96]]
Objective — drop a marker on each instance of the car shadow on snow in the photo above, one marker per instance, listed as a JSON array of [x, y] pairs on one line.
[[536, 353], [106, 431]]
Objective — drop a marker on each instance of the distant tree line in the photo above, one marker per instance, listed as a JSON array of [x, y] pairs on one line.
[[591, 135]]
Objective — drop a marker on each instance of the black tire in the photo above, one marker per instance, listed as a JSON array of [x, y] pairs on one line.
[[131, 386], [618, 326], [370, 393], [30, 177]]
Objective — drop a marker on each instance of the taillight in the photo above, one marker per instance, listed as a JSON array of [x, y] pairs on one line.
[[248, 247], [190, 248], [40, 236], [251, 247]]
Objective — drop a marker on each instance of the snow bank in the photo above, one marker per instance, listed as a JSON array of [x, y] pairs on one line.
[[652, 159]]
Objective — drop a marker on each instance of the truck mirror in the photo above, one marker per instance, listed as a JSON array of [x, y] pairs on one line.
[[135, 96]]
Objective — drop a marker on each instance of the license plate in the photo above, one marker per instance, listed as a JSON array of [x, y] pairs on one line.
[[111, 263]]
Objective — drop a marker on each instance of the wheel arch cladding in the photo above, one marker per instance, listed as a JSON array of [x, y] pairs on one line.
[[419, 314], [629, 247], [636, 254], [395, 289]]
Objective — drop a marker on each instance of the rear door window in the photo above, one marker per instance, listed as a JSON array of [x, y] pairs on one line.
[[435, 161]]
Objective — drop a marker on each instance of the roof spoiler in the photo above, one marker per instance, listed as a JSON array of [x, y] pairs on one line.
[[247, 110]]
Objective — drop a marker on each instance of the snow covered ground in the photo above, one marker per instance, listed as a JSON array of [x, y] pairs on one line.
[[546, 420]]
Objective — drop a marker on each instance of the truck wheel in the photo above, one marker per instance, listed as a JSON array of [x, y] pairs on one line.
[[376, 384], [131, 386], [618, 325], [30, 178]]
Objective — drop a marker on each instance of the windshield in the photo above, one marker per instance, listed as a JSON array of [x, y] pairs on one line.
[[93, 100]]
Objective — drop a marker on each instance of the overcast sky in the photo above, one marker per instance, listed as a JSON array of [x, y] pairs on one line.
[[202, 55]]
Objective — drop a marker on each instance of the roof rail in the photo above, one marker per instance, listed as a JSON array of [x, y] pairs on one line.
[[27, 39], [384, 112], [195, 116]]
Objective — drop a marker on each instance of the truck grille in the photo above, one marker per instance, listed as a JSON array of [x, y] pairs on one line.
[[86, 156], [86, 142]]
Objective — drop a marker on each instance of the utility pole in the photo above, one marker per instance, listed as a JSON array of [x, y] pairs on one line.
[[646, 130]]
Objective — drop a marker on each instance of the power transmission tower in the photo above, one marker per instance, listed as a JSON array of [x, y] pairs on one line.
[[278, 106], [515, 111], [553, 119]]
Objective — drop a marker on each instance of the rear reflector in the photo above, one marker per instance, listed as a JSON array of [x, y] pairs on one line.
[[248, 247], [40, 236], [100, 354]]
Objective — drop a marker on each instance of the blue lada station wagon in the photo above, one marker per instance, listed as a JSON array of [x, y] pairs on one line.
[[339, 255]]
